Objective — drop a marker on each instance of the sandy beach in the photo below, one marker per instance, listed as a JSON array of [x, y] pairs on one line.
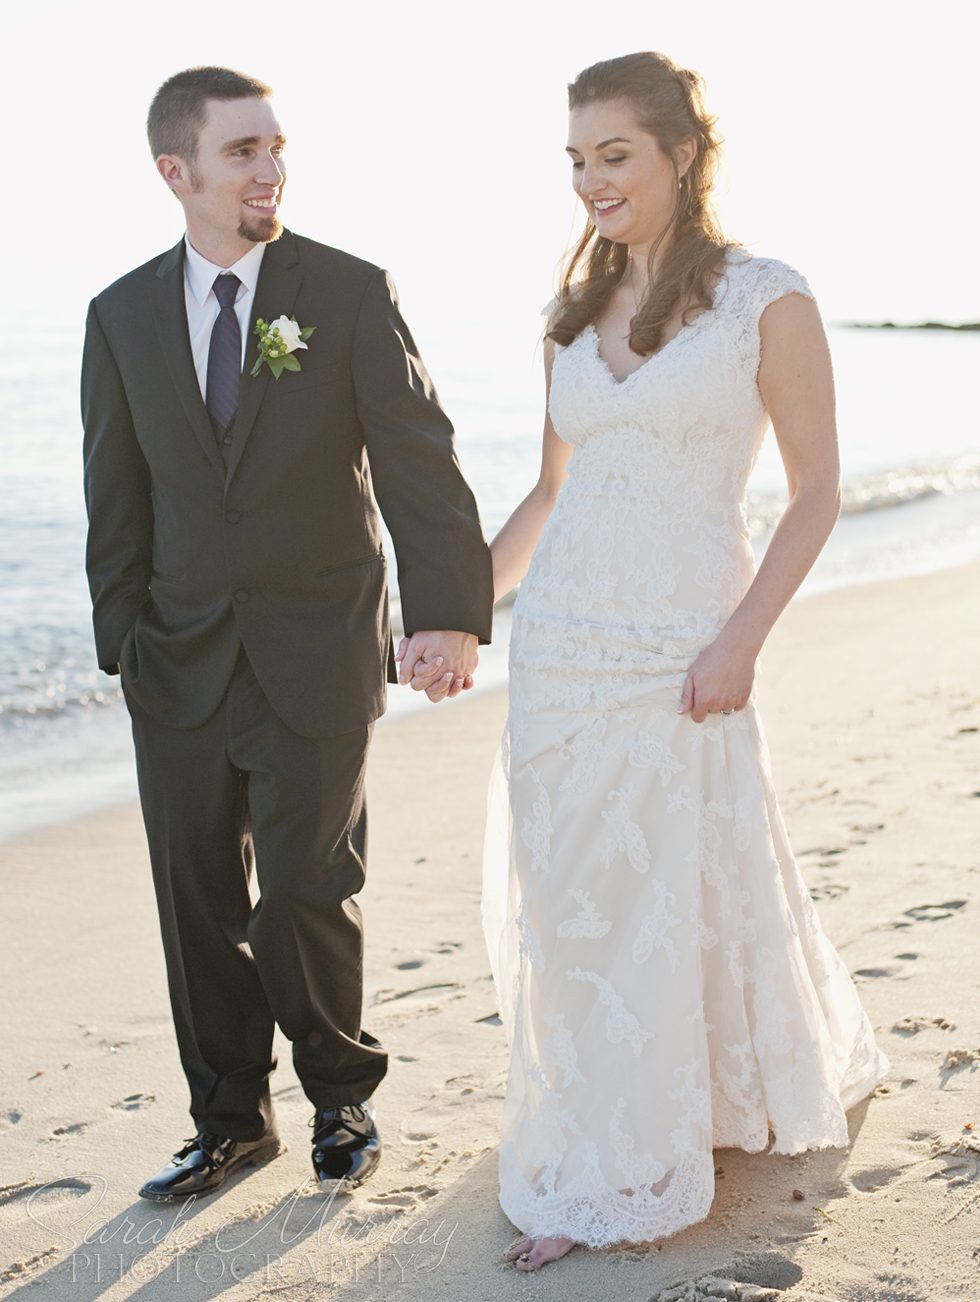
[[871, 706]]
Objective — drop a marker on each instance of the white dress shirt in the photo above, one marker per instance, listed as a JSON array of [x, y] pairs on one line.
[[203, 307]]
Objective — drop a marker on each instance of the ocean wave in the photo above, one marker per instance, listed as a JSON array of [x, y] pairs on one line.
[[36, 691], [16, 713], [879, 490]]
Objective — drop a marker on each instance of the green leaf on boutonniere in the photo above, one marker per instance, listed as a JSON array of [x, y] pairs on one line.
[[279, 342]]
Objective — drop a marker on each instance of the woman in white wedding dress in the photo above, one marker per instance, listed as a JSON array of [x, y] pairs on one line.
[[665, 984]]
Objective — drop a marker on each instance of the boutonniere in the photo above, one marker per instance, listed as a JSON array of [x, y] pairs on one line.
[[278, 341]]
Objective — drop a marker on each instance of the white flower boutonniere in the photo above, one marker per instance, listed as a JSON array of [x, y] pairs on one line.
[[278, 341]]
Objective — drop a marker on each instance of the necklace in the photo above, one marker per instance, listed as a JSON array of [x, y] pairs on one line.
[[629, 276]]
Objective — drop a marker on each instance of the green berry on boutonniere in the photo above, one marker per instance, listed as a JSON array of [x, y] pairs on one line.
[[278, 341]]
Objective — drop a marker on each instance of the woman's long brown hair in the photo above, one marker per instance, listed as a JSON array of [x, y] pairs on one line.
[[668, 103]]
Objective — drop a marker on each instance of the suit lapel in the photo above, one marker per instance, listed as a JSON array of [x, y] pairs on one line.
[[279, 281], [170, 313]]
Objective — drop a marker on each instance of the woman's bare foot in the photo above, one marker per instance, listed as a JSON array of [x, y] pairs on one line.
[[530, 1253]]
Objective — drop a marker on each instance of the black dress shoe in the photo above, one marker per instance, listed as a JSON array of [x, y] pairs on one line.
[[346, 1145], [205, 1161]]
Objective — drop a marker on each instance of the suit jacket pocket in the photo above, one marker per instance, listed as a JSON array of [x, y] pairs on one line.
[[291, 382], [128, 659]]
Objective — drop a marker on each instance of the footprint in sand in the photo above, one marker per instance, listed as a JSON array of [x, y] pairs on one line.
[[705, 1290], [958, 1060], [968, 1144], [8, 1192], [757, 1278], [826, 855], [388, 995], [960, 1159], [409, 1195], [19, 1269], [869, 972], [133, 1102], [935, 912], [913, 1025], [876, 1177], [828, 891], [51, 1190], [74, 1128], [463, 1085], [442, 948]]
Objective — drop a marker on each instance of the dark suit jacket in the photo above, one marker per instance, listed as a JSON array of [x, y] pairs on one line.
[[279, 548]]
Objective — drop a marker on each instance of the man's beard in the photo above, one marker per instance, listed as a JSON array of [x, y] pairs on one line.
[[260, 229]]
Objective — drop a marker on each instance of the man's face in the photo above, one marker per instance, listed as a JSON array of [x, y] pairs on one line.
[[234, 185]]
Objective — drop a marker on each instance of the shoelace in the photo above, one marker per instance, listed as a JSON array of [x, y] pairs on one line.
[[323, 1121], [206, 1142]]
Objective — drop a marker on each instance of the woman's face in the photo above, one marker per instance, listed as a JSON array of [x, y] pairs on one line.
[[625, 180]]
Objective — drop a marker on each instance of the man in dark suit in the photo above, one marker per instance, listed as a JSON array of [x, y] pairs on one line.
[[239, 586]]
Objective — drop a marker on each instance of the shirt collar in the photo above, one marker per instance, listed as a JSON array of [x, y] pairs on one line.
[[201, 273]]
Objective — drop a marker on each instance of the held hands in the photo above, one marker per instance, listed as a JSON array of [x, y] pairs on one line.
[[439, 663], [718, 681]]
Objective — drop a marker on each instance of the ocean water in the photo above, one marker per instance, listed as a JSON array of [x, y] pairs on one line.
[[910, 450]]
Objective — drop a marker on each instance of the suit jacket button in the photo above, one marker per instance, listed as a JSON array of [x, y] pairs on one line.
[[227, 440], [233, 516], [241, 594]]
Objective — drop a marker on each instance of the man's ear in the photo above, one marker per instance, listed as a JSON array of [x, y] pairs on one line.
[[176, 173]]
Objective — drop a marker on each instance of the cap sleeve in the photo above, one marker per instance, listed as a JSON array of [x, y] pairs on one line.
[[754, 283], [774, 280], [550, 306]]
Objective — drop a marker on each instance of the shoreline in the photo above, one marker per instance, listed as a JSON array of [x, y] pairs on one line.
[[868, 699], [109, 760]]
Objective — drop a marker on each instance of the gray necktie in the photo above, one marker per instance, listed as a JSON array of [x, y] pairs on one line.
[[224, 355]]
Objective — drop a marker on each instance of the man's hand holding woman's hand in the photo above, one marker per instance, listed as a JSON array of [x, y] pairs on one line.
[[439, 663]]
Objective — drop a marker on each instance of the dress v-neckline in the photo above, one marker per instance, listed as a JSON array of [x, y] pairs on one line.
[[622, 383], [685, 330]]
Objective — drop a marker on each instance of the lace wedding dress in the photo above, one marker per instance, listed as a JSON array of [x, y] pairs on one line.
[[664, 982]]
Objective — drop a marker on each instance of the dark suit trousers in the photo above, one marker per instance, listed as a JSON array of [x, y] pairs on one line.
[[240, 792]]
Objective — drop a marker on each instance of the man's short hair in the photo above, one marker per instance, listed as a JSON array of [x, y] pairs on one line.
[[179, 107]]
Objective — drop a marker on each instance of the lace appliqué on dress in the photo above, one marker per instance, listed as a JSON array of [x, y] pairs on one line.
[[664, 980]]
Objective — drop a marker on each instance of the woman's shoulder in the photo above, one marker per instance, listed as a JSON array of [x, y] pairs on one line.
[[562, 298], [764, 279], [553, 310]]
